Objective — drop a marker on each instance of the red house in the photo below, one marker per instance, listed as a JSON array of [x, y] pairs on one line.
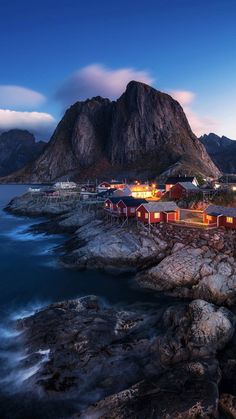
[[171, 181], [182, 190], [156, 212], [215, 215], [110, 204], [127, 206]]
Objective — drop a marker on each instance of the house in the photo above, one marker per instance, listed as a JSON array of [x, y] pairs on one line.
[[88, 187], [156, 212], [143, 191], [103, 186], [106, 194], [127, 206], [171, 181], [182, 190], [110, 204], [123, 192], [65, 185], [220, 216]]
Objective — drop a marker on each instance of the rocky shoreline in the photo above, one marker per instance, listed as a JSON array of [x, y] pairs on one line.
[[183, 262], [138, 362]]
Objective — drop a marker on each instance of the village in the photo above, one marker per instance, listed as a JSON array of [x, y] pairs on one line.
[[182, 200]]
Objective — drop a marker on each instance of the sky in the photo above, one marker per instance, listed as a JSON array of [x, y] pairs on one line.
[[56, 52]]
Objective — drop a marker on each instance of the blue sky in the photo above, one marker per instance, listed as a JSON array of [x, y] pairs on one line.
[[61, 51]]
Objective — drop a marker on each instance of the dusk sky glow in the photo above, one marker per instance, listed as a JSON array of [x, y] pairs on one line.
[[56, 52]]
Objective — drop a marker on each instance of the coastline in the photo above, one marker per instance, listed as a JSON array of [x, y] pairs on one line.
[[183, 351]]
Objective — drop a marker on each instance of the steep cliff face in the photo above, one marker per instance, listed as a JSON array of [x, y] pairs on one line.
[[222, 151], [145, 132], [17, 148]]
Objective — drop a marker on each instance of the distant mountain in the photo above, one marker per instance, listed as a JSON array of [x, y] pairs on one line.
[[17, 148], [143, 133], [222, 151]]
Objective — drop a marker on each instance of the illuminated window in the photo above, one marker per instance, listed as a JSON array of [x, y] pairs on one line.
[[156, 215], [209, 217], [229, 220], [146, 215], [139, 214]]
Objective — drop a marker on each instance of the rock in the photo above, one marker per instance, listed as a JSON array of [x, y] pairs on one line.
[[182, 268], [218, 288], [113, 362], [198, 330], [144, 132], [225, 269], [187, 391], [227, 404]]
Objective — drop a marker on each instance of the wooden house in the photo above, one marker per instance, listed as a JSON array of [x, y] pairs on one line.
[[171, 181], [127, 206], [156, 212], [110, 204], [182, 190], [103, 186], [142, 190], [216, 215]]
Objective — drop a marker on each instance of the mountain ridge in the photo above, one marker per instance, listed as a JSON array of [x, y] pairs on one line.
[[144, 133], [222, 151], [17, 148]]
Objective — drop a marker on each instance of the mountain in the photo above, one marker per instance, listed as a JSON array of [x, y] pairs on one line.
[[143, 133], [222, 151], [17, 148]]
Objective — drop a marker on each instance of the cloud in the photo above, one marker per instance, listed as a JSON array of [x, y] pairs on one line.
[[184, 97], [17, 97], [39, 123], [200, 125], [97, 80]]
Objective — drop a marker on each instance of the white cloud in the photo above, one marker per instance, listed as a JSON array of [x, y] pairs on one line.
[[184, 97], [39, 123], [97, 80], [17, 97], [200, 125]]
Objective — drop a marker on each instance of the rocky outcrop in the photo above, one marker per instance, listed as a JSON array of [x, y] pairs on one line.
[[120, 362], [17, 148], [192, 273], [145, 132], [222, 151]]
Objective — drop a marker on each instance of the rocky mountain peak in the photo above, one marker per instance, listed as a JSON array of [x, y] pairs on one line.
[[144, 133]]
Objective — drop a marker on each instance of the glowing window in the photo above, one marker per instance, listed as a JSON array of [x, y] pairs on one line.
[[146, 215], [156, 215], [229, 220], [139, 214], [209, 217]]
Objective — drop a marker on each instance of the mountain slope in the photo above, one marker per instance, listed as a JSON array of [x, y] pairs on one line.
[[145, 132], [222, 151], [17, 148]]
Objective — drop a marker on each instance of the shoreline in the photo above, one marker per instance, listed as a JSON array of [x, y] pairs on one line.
[[183, 352], [181, 262]]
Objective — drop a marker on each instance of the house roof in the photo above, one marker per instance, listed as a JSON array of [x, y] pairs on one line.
[[176, 179], [114, 200], [123, 192], [217, 210], [168, 206], [107, 193], [188, 186], [129, 201]]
